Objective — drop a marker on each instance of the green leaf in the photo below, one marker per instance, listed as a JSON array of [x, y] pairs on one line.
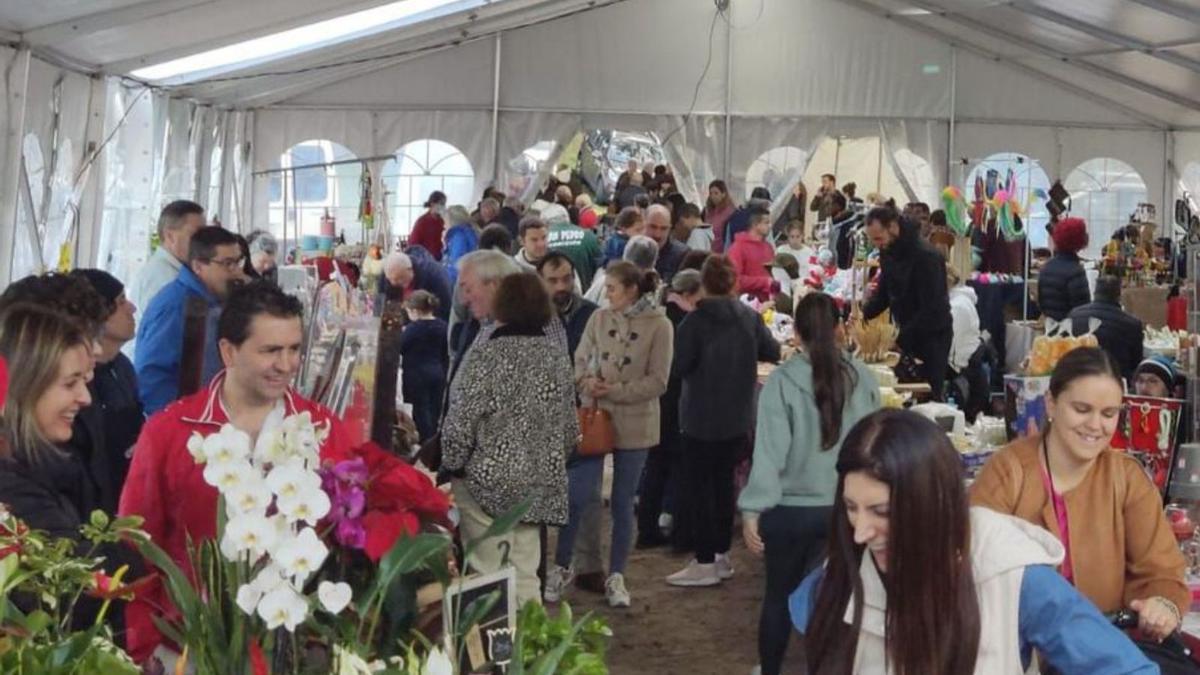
[[502, 525], [406, 555]]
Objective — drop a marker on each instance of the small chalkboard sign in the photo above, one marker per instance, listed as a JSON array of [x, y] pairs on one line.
[[488, 646]]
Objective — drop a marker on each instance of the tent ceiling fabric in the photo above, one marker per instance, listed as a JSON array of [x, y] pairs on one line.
[[1143, 56]]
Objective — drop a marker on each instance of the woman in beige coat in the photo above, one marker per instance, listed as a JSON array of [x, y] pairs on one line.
[[622, 364]]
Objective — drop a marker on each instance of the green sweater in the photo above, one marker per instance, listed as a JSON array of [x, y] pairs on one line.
[[790, 468]]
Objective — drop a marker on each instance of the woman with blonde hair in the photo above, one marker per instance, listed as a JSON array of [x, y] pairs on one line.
[[43, 484]]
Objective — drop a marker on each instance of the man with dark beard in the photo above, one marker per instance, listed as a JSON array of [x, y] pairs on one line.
[[558, 274]]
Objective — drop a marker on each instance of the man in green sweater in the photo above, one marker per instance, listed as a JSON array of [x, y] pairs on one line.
[[578, 244]]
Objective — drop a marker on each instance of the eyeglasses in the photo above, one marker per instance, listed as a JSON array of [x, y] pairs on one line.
[[231, 264]]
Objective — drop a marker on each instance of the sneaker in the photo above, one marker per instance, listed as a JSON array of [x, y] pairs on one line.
[[665, 522], [592, 582], [614, 590], [696, 574], [724, 566], [557, 581]]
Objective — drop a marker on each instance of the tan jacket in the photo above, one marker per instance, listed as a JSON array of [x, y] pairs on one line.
[[632, 351], [1121, 546]]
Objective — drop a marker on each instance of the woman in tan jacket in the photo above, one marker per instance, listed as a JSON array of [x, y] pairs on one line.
[[1097, 501], [622, 364]]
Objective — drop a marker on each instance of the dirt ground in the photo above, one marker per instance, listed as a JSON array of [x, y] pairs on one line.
[[678, 631]]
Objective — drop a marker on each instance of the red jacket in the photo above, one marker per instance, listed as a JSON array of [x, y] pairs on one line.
[[750, 258], [166, 487], [427, 232]]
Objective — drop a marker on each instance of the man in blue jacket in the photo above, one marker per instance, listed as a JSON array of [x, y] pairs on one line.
[[414, 270], [214, 262]]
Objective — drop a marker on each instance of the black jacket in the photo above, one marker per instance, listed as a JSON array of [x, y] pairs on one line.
[[668, 403], [912, 283], [56, 495], [428, 275], [1120, 333], [423, 347], [1062, 286], [670, 255], [116, 394], [575, 320], [717, 352]]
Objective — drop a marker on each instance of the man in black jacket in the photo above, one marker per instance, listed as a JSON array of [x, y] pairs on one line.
[[1120, 333], [558, 273], [912, 283]]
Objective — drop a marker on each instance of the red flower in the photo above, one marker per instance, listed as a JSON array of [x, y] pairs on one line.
[[258, 663], [399, 499]]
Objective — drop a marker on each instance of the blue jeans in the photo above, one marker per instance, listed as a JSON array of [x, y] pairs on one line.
[[583, 484]]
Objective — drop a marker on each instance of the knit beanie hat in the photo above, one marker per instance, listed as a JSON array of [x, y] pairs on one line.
[[1159, 366]]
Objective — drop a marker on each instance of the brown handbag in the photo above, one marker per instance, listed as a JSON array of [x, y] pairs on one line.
[[596, 433]]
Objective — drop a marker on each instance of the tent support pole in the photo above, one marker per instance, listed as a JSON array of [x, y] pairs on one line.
[[953, 115], [726, 164], [496, 115], [12, 162]]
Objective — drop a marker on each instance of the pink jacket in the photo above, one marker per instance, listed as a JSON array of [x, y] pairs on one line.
[[750, 258]]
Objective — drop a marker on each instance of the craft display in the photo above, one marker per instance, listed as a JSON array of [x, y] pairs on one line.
[[875, 337], [1048, 349], [1147, 431]]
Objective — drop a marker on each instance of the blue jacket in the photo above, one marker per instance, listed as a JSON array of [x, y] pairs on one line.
[[160, 341], [1066, 629], [428, 275], [460, 240], [614, 247]]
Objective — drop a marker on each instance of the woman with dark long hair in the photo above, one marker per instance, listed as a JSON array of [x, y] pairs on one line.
[[717, 211], [1098, 502], [918, 583], [805, 409]]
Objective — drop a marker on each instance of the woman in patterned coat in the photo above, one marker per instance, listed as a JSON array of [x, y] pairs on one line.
[[509, 427]]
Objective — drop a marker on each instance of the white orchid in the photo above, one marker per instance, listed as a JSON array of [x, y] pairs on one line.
[[228, 445], [309, 506], [346, 662], [250, 496], [251, 533], [291, 480], [334, 597], [195, 447], [270, 447], [302, 555], [283, 607], [437, 663], [269, 578], [226, 476], [248, 598]]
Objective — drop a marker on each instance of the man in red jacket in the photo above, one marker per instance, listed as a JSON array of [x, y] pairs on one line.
[[751, 255], [259, 337]]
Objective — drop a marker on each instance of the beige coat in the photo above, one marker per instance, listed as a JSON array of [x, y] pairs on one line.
[[632, 351]]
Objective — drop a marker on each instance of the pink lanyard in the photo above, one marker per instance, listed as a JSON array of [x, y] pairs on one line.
[[1060, 514]]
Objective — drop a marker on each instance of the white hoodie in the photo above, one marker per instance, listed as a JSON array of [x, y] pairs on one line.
[[1001, 548], [965, 318]]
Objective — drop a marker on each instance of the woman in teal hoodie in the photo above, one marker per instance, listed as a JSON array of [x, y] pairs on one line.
[[805, 410]]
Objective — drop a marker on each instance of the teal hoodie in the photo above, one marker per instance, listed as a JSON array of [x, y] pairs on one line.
[[790, 468]]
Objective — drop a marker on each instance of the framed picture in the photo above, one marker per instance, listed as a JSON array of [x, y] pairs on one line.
[[488, 645]]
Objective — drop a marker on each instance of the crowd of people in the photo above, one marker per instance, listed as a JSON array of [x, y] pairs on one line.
[[520, 317]]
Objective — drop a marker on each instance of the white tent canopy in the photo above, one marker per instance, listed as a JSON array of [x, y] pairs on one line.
[[902, 96]]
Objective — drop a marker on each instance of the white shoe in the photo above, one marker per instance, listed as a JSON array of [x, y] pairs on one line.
[[557, 580], [724, 566], [665, 521], [695, 574], [614, 590]]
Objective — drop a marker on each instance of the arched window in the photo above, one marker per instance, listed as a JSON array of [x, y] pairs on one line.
[[775, 169], [420, 167], [1105, 192], [855, 160], [314, 189], [1028, 176]]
